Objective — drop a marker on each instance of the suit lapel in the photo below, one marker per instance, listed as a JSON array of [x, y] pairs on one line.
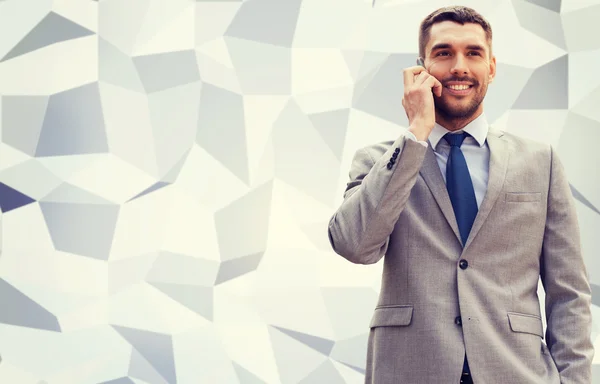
[[430, 170], [497, 173]]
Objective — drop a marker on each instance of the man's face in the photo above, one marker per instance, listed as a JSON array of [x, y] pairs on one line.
[[459, 57]]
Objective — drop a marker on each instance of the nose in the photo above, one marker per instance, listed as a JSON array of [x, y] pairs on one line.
[[460, 66]]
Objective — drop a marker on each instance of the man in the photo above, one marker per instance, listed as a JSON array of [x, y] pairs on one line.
[[468, 218]]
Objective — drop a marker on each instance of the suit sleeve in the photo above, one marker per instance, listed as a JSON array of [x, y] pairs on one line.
[[374, 198], [565, 280]]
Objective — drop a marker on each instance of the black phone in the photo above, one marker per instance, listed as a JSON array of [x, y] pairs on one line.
[[420, 62]]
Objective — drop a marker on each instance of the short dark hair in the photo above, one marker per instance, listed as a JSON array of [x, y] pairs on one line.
[[458, 14]]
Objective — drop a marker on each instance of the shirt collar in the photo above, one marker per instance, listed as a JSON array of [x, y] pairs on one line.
[[477, 128]]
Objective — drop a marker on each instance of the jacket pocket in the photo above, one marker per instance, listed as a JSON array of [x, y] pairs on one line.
[[392, 316], [521, 322], [522, 197]]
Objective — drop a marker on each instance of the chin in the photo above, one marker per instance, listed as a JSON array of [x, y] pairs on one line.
[[458, 110]]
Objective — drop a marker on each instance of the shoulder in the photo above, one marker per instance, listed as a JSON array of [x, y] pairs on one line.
[[520, 144]]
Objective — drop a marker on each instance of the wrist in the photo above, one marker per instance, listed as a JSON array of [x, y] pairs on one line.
[[421, 133]]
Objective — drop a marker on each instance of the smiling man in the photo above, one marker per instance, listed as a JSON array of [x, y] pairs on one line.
[[469, 219]]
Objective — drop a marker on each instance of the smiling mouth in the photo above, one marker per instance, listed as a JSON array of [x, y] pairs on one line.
[[460, 87]]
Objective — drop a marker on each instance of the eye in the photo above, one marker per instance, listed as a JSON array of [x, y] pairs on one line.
[[443, 53], [474, 53]]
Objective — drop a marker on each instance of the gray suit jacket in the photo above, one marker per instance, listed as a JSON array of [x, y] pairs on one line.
[[526, 227]]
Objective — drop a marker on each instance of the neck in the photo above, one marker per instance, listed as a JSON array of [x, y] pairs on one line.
[[454, 124]]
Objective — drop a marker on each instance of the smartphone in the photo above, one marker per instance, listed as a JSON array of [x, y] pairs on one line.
[[420, 62]]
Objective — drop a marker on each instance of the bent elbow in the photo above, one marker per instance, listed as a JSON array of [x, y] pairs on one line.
[[347, 247]]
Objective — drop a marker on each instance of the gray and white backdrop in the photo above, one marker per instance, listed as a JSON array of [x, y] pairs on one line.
[[168, 169]]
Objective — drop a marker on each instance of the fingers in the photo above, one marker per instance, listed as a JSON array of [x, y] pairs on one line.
[[438, 88], [410, 73], [421, 78], [425, 79], [434, 84]]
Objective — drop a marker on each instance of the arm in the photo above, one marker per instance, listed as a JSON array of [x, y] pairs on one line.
[[565, 280], [374, 198], [379, 188]]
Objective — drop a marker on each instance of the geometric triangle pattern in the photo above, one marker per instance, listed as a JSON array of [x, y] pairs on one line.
[[62, 134], [596, 294], [332, 127], [12, 199], [168, 170], [580, 197], [156, 186], [152, 348], [24, 312], [198, 299], [326, 373], [230, 269], [317, 343], [543, 20], [120, 380], [553, 5], [246, 376], [53, 29], [547, 87]]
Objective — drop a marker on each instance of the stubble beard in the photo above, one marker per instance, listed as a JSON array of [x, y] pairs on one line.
[[451, 113]]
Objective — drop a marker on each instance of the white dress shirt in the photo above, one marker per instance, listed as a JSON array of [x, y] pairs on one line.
[[474, 148]]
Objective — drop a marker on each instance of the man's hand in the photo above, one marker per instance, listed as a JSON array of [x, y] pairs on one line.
[[419, 88]]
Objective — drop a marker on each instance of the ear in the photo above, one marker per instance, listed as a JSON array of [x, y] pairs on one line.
[[492, 69]]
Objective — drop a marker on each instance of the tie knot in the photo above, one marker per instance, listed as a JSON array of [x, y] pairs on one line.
[[455, 139]]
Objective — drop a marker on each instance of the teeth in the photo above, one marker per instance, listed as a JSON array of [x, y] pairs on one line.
[[458, 87]]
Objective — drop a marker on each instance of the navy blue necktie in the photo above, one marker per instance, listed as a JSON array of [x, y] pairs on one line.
[[462, 194], [460, 186]]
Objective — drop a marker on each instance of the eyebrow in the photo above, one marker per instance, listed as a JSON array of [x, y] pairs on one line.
[[471, 47]]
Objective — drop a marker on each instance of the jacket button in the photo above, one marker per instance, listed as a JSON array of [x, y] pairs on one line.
[[397, 150], [458, 320], [394, 155], [463, 264], [390, 165]]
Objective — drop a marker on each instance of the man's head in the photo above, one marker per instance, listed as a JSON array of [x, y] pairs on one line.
[[456, 46]]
